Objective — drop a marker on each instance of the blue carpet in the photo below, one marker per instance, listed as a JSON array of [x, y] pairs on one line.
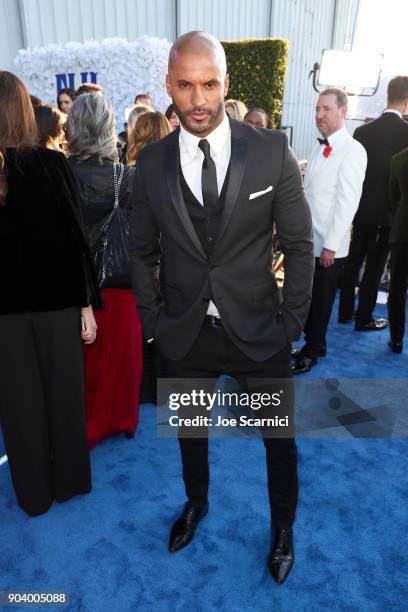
[[108, 549]]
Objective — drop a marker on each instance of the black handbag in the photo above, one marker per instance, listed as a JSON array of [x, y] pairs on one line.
[[111, 255]]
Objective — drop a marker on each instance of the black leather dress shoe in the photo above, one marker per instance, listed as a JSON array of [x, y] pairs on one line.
[[183, 529], [374, 325], [281, 555], [396, 347], [303, 364], [298, 352]]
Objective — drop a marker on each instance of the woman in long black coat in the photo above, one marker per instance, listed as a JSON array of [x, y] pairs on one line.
[[47, 282]]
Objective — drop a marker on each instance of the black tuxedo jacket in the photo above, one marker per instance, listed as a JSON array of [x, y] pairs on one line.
[[399, 197], [238, 276], [381, 138]]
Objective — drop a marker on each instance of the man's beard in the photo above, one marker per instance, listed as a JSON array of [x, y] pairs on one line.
[[194, 127]]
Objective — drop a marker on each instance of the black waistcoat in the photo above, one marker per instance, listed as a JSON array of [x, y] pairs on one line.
[[206, 219]]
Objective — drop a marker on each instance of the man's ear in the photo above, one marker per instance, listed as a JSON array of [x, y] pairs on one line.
[[168, 86], [226, 85], [344, 110]]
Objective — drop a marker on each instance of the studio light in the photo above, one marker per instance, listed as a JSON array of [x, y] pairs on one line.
[[357, 73]]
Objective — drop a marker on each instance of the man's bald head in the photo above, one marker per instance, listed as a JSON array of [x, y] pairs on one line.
[[197, 82], [198, 43]]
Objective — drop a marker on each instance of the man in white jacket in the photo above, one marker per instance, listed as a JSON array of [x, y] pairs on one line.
[[333, 183]]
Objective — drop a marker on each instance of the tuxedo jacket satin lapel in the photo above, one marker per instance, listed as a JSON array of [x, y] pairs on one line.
[[239, 151], [310, 173], [173, 181]]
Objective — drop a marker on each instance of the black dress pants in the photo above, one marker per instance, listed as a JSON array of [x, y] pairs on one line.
[[212, 354], [42, 407], [369, 242], [325, 283], [398, 290], [148, 387]]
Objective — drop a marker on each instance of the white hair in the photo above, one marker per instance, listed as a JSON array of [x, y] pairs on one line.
[[91, 129]]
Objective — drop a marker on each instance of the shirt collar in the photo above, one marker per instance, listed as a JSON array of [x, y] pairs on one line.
[[336, 136], [217, 138], [393, 110]]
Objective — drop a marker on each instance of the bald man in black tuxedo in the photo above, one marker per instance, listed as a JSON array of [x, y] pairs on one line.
[[206, 199]]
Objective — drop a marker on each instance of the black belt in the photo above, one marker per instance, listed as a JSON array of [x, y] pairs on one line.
[[213, 321]]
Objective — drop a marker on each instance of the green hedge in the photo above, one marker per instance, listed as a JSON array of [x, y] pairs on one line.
[[257, 70]]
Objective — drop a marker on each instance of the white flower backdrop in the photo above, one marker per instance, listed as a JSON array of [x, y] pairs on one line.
[[123, 69]]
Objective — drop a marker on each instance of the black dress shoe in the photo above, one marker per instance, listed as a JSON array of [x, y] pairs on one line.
[[281, 555], [303, 364], [374, 325], [183, 529], [396, 347], [298, 352]]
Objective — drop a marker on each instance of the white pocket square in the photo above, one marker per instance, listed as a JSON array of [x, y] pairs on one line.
[[252, 196]]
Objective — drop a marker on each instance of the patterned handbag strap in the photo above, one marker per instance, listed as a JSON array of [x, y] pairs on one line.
[[117, 181]]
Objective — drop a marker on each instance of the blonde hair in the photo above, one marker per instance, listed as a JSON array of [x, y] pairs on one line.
[[134, 115], [149, 127], [238, 109]]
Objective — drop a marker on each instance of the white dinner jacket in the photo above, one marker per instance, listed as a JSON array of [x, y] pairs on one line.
[[333, 188]]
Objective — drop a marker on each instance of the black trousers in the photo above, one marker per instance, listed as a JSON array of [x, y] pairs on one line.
[[325, 283], [398, 290], [213, 354], [151, 368], [42, 407], [369, 242]]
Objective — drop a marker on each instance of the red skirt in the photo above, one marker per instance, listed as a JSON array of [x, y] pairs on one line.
[[113, 368]]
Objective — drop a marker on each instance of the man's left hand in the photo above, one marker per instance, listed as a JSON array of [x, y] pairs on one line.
[[327, 258]]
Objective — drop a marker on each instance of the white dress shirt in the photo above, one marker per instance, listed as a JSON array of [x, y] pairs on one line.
[[191, 159]]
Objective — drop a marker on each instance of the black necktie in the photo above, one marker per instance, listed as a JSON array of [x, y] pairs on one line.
[[208, 176], [324, 141]]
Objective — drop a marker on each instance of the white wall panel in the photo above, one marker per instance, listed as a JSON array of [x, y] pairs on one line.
[[51, 21], [345, 23], [226, 19], [11, 33]]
